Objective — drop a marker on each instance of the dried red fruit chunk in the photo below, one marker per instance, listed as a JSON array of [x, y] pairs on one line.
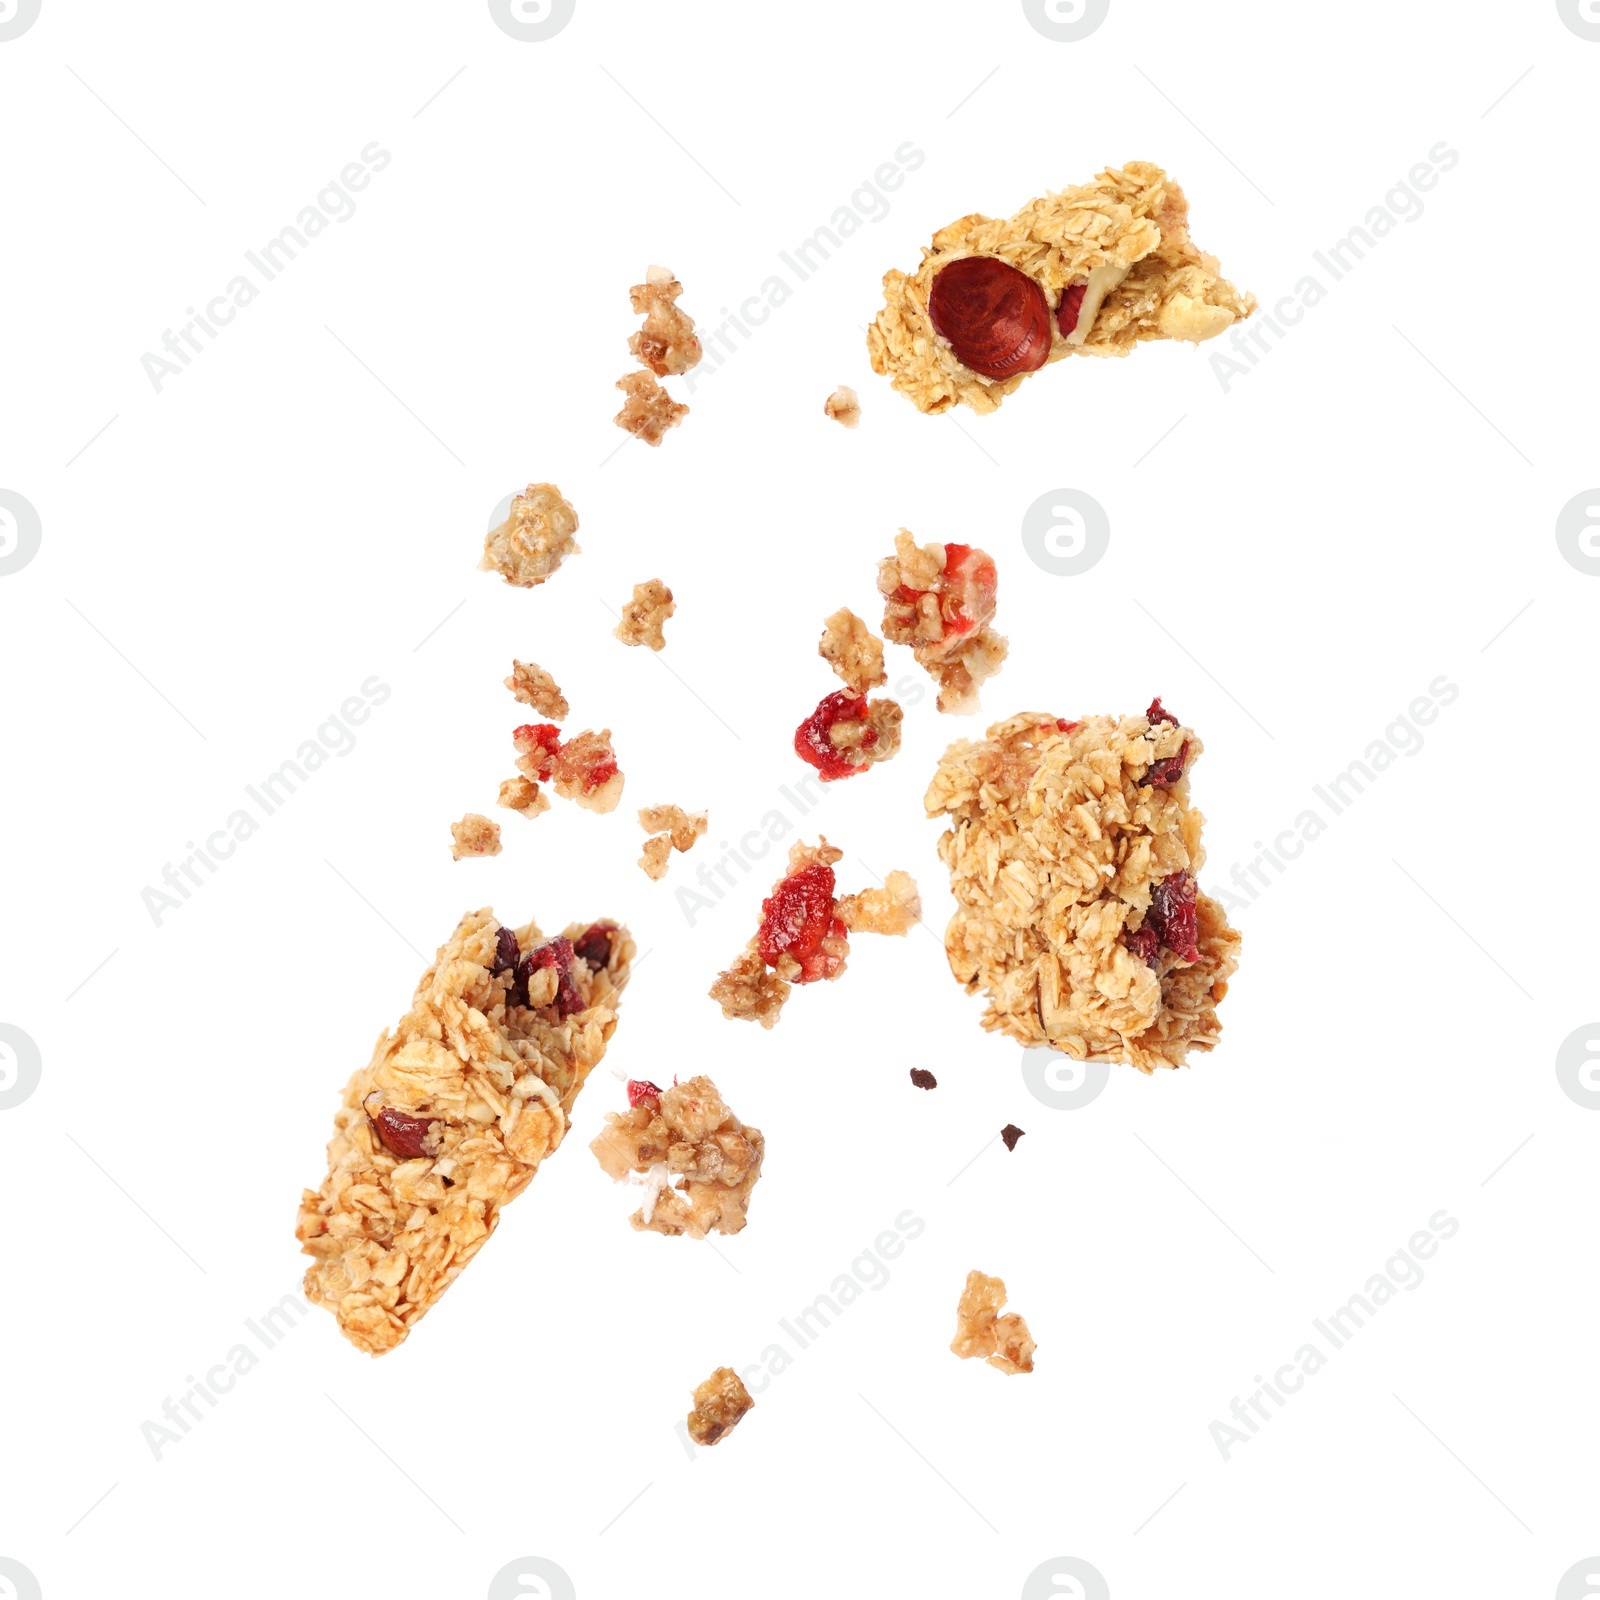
[[970, 586], [641, 1089], [1172, 914], [923, 1079], [1166, 772], [555, 953], [505, 951], [1158, 713], [403, 1135], [539, 743], [1145, 943], [1063, 726], [796, 918], [996, 318], [1011, 1133], [595, 942], [811, 741], [1071, 305]]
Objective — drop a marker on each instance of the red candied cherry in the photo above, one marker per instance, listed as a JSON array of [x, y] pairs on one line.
[[641, 1089], [404, 1135], [557, 953], [594, 944], [539, 743], [1173, 915], [795, 920], [811, 741], [1071, 306], [996, 318]]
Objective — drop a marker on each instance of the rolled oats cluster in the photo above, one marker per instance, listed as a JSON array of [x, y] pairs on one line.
[[1091, 271], [671, 828], [582, 768], [853, 650], [667, 346], [1073, 852], [534, 540], [1003, 1341], [719, 1403], [474, 835], [699, 1162], [533, 686], [452, 1116], [643, 615]]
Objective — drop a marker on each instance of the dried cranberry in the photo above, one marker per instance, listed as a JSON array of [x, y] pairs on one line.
[[996, 318], [505, 951], [1071, 305], [923, 1079], [1011, 1133], [595, 942], [1166, 772], [540, 742], [641, 1089], [404, 1135], [796, 918], [1145, 943], [1063, 726], [1172, 913], [1158, 713], [811, 741], [556, 953]]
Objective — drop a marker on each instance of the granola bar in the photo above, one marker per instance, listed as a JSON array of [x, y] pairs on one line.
[[667, 343], [534, 540], [649, 410], [452, 1116], [853, 650], [719, 1403], [474, 835], [533, 686], [643, 615], [699, 1162], [1072, 852], [1004, 1342]]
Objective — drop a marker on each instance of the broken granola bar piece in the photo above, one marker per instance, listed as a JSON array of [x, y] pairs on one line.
[[1077, 912], [1091, 271], [939, 599], [585, 770], [699, 1162], [853, 650], [847, 733], [675, 829], [748, 992], [649, 410], [525, 796], [451, 1118], [534, 540], [474, 835], [719, 1403], [666, 344], [643, 615], [895, 909], [844, 406], [1004, 1342], [533, 686]]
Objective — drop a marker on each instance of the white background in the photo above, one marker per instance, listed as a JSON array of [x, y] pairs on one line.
[[1373, 506]]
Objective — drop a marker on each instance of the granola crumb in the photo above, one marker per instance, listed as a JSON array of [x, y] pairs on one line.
[[748, 992], [853, 650], [844, 406], [666, 344], [699, 1162], [533, 686], [534, 540], [1004, 1342], [474, 835], [649, 410], [675, 829], [1011, 1133], [923, 1079], [895, 909], [848, 733], [585, 769], [525, 796], [655, 855], [719, 1403], [644, 614]]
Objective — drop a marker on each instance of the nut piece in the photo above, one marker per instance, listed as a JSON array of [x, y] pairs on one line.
[[747, 992], [1004, 1342], [688, 1134], [894, 909], [719, 1403], [643, 615], [666, 344], [649, 410], [853, 650], [995, 319], [533, 686], [534, 540], [844, 406], [585, 770], [675, 828], [525, 796], [474, 836]]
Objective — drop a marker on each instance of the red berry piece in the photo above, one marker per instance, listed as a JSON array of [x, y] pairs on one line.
[[1145, 943], [1163, 774], [641, 1089], [505, 951], [1063, 726], [996, 318], [1071, 306], [405, 1136], [1158, 713], [540, 743], [595, 942], [970, 584], [811, 741], [795, 920], [556, 953], [1172, 913]]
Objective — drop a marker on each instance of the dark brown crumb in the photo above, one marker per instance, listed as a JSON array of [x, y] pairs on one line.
[[923, 1078], [1011, 1133]]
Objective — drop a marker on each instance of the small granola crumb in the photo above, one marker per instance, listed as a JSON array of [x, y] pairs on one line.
[[654, 857], [525, 796], [534, 540], [844, 406], [688, 1134], [1004, 1342], [895, 909], [1011, 1133], [923, 1079], [649, 410], [643, 615], [585, 770], [719, 1403], [847, 733], [474, 836], [853, 650], [747, 992], [666, 344], [675, 829], [533, 686]]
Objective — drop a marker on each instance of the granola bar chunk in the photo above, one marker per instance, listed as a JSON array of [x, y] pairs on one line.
[[699, 1162], [1091, 271], [649, 410], [1003, 1341], [844, 406], [748, 992], [643, 615], [847, 733], [533, 686], [474, 835], [452, 1116], [534, 540], [853, 650], [525, 796], [719, 1403], [673, 829], [667, 343], [586, 770], [939, 600], [1073, 850]]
